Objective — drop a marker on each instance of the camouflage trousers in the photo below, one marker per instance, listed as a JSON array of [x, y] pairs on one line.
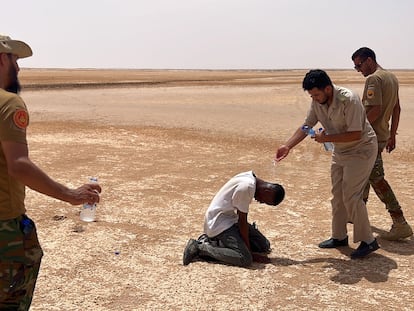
[[20, 257], [381, 186]]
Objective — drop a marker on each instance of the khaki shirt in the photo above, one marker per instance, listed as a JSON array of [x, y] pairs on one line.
[[381, 88], [13, 122], [345, 114]]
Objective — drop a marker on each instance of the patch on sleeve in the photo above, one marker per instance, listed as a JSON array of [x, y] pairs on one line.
[[370, 92], [21, 118]]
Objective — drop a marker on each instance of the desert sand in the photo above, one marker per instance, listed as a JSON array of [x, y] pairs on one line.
[[162, 143]]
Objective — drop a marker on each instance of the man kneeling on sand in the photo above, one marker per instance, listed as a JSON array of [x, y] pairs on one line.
[[228, 237]]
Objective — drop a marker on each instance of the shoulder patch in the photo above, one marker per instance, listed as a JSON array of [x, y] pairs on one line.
[[21, 118], [370, 91], [370, 94]]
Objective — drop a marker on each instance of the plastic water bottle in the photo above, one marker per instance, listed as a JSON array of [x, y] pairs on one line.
[[327, 145], [311, 132], [308, 130], [88, 210]]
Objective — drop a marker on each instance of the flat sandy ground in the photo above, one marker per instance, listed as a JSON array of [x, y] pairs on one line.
[[162, 143]]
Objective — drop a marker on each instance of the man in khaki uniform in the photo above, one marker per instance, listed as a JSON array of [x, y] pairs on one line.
[[382, 103], [20, 252], [345, 125]]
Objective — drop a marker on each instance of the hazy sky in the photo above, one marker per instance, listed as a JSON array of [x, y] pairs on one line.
[[210, 34]]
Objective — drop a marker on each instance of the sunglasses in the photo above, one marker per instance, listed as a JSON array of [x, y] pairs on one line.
[[358, 66]]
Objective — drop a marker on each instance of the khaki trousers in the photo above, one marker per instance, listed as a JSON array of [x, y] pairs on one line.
[[349, 176]]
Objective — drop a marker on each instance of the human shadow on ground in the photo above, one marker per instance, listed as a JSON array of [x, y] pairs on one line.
[[401, 247], [375, 268]]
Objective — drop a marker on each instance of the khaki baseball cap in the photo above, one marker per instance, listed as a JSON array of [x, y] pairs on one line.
[[16, 47]]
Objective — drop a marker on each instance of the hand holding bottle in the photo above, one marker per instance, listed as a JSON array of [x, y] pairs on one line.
[[319, 136]]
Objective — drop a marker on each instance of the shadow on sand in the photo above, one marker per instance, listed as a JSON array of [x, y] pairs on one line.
[[375, 268]]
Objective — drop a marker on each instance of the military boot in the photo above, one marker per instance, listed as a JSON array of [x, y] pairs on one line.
[[400, 229]]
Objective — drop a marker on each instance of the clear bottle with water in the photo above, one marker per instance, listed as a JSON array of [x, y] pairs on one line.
[[311, 132], [308, 130], [88, 210]]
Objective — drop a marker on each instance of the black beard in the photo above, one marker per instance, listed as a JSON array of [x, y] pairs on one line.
[[14, 86]]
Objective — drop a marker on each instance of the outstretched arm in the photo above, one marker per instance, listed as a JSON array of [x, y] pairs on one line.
[[295, 139], [24, 170]]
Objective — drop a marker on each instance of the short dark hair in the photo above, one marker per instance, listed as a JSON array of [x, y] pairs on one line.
[[316, 78], [279, 193], [364, 53]]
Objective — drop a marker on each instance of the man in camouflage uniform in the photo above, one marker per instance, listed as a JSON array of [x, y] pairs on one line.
[[20, 251], [382, 103]]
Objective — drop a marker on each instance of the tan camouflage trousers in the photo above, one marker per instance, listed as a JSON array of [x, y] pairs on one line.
[[20, 257], [381, 186]]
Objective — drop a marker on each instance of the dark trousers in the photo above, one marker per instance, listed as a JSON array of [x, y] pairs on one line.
[[229, 247]]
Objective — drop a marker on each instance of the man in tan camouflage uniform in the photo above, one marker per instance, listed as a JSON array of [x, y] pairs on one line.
[[20, 252], [382, 103]]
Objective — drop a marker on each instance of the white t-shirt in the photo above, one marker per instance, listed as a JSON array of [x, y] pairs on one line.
[[236, 194]]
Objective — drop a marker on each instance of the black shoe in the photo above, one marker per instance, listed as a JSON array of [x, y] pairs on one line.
[[364, 249], [190, 251], [333, 243]]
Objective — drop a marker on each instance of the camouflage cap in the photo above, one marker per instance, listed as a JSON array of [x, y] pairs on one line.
[[19, 48]]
